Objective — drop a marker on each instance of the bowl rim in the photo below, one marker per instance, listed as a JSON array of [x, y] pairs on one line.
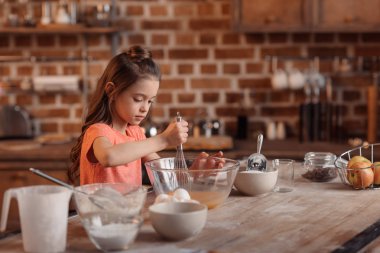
[[131, 188], [202, 208], [235, 165], [274, 170]]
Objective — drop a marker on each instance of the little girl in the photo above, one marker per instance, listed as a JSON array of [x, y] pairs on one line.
[[112, 146]]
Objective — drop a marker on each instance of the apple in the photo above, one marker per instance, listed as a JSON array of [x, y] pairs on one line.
[[355, 159], [360, 175], [376, 171]]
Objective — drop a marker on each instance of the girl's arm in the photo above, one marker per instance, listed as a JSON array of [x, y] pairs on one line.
[[112, 155], [150, 157]]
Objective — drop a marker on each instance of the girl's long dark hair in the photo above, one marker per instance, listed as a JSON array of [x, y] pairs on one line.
[[123, 70]]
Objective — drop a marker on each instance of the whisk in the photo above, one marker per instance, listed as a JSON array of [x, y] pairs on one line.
[[180, 164], [179, 161]]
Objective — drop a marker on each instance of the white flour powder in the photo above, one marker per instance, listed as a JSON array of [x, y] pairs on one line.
[[114, 236]]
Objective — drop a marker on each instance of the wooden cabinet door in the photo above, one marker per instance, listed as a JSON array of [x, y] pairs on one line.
[[272, 15], [347, 15]]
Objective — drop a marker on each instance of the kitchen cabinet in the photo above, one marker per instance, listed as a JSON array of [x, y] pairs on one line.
[[347, 15], [306, 15], [272, 15]]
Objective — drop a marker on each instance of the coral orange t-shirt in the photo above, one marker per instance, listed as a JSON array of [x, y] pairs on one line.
[[94, 172]]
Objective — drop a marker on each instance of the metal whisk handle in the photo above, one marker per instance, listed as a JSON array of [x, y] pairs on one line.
[[179, 119]]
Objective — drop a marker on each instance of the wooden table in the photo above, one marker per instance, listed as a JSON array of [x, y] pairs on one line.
[[315, 217]]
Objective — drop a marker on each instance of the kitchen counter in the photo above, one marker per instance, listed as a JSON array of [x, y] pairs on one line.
[[32, 154], [291, 149], [57, 155], [315, 217]]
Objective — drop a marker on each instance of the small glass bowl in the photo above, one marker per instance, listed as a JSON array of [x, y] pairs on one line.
[[320, 166]]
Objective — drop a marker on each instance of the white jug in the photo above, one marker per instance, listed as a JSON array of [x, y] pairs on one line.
[[271, 131], [43, 214]]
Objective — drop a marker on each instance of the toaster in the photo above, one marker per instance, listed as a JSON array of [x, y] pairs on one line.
[[15, 123]]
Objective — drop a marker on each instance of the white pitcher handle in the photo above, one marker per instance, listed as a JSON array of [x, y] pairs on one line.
[[8, 195]]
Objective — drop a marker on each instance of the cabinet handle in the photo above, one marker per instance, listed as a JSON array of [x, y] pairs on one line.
[[350, 19], [18, 177], [271, 19]]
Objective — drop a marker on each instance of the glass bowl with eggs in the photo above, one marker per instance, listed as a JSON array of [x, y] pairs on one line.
[[210, 186]]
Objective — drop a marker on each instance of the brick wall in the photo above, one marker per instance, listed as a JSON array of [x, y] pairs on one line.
[[208, 69]]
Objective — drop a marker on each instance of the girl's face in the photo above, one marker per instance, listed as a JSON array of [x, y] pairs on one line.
[[133, 104]]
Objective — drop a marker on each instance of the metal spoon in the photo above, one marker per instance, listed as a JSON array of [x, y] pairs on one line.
[[99, 201], [257, 161]]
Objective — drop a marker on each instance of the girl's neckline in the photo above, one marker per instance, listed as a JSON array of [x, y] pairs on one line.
[[124, 133]]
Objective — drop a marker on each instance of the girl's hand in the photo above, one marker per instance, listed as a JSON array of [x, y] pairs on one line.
[[204, 161], [176, 133]]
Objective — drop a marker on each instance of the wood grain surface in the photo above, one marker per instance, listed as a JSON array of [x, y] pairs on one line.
[[315, 217]]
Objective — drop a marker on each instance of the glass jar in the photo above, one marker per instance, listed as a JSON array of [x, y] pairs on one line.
[[320, 166]]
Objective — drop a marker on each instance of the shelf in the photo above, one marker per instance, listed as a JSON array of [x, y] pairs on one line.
[[66, 29], [31, 91], [59, 30], [32, 59]]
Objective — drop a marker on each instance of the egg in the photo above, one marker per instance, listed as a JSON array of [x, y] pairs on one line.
[[173, 199], [181, 195], [162, 198]]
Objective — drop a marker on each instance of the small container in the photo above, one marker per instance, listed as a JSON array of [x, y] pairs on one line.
[[320, 166]]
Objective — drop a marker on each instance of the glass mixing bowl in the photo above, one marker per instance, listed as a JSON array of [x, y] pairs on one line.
[[110, 213], [208, 186]]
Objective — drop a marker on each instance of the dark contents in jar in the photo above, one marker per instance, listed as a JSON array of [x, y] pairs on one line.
[[321, 174]]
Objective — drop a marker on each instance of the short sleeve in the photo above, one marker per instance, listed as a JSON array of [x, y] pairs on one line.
[[98, 130], [136, 132], [93, 132]]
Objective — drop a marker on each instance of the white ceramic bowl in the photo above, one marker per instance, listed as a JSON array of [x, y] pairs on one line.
[[254, 182], [178, 220]]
